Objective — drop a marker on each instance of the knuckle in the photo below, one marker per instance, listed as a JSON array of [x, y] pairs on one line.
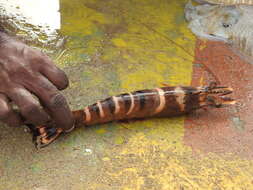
[[57, 101], [45, 85], [18, 71], [36, 56], [43, 57], [5, 111]]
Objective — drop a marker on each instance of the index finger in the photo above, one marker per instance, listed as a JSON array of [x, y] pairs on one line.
[[54, 74], [53, 101]]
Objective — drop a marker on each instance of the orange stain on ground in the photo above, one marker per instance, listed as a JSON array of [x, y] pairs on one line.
[[227, 130]]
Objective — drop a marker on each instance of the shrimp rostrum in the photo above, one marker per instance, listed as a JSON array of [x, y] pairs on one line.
[[159, 102]]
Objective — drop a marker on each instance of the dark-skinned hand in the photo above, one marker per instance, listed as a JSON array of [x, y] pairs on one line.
[[26, 73]]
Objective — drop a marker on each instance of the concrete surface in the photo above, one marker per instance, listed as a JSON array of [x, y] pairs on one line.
[[116, 46]]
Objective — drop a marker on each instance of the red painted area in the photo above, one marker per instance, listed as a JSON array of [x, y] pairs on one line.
[[225, 130]]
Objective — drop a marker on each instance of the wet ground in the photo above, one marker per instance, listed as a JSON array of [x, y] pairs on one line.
[[117, 46]]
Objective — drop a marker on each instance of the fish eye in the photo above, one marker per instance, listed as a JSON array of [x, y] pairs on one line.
[[226, 25]]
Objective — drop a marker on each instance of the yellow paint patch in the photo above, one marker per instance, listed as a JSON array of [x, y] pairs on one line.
[[119, 140], [79, 19], [106, 159], [172, 166], [101, 131], [119, 42]]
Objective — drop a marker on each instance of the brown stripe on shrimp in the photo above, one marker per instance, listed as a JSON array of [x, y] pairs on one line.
[[92, 113], [94, 109], [106, 111], [95, 114], [172, 106], [127, 101], [108, 106], [141, 95], [136, 104], [146, 101], [80, 116], [192, 98], [132, 105]]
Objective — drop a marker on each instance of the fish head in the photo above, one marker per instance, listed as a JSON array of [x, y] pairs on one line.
[[213, 22]]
